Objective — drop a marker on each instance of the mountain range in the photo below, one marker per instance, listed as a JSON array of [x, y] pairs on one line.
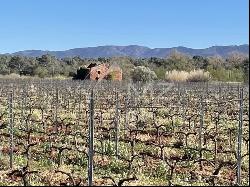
[[137, 51]]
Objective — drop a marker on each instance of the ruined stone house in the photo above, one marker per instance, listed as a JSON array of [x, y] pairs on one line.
[[100, 71]]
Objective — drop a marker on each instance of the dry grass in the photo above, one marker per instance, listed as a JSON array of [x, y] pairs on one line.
[[198, 76], [17, 76], [14, 76], [184, 76], [176, 76]]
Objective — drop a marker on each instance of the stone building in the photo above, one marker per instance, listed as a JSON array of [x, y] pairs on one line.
[[97, 72], [100, 71]]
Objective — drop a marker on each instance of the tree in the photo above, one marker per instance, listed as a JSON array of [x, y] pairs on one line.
[[16, 64], [4, 61], [178, 61], [235, 59], [142, 73], [125, 63], [41, 72], [81, 74], [246, 70], [200, 62], [4, 70], [160, 72], [216, 61]]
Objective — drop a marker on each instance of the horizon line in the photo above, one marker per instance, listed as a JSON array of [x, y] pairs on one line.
[[111, 45]]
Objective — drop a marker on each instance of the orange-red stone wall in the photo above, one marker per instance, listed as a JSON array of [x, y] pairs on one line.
[[104, 70]]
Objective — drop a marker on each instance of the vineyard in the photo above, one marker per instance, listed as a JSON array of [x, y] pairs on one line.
[[61, 132]]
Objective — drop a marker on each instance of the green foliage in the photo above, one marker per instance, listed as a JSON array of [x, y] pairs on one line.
[[161, 170], [41, 72], [160, 72], [144, 74], [200, 62], [81, 73], [246, 70], [233, 68], [125, 63], [190, 154], [4, 70], [115, 167], [19, 160], [109, 148], [222, 74], [179, 61], [110, 76]]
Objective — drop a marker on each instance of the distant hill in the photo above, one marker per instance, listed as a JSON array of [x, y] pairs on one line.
[[137, 51]]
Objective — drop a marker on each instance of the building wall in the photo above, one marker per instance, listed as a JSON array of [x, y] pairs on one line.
[[100, 72]]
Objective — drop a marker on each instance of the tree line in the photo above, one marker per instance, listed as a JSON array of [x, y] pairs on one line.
[[235, 67]]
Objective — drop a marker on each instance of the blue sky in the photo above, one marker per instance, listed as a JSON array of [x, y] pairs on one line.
[[65, 24]]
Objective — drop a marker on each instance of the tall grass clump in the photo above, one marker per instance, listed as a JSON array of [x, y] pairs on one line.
[[15, 76], [184, 76], [198, 76], [176, 76]]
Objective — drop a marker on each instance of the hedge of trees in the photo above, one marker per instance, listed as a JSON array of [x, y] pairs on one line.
[[233, 68]]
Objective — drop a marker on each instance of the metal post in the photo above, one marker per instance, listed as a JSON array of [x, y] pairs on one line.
[[239, 89], [183, 107], [200, 129], [11, 128], [220, 93], [56, 103], [179, 94], [91, 140], [126, 115], [23, 112], [79, 108], [207, 88], [116, 126], [239, 139]]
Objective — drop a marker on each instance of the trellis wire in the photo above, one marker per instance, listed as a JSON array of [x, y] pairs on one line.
[[139, 104]]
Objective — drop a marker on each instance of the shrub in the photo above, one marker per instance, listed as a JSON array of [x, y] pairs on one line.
[[41, 72], [110, 76], [246, 70], [142, 73], [82, 73]]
